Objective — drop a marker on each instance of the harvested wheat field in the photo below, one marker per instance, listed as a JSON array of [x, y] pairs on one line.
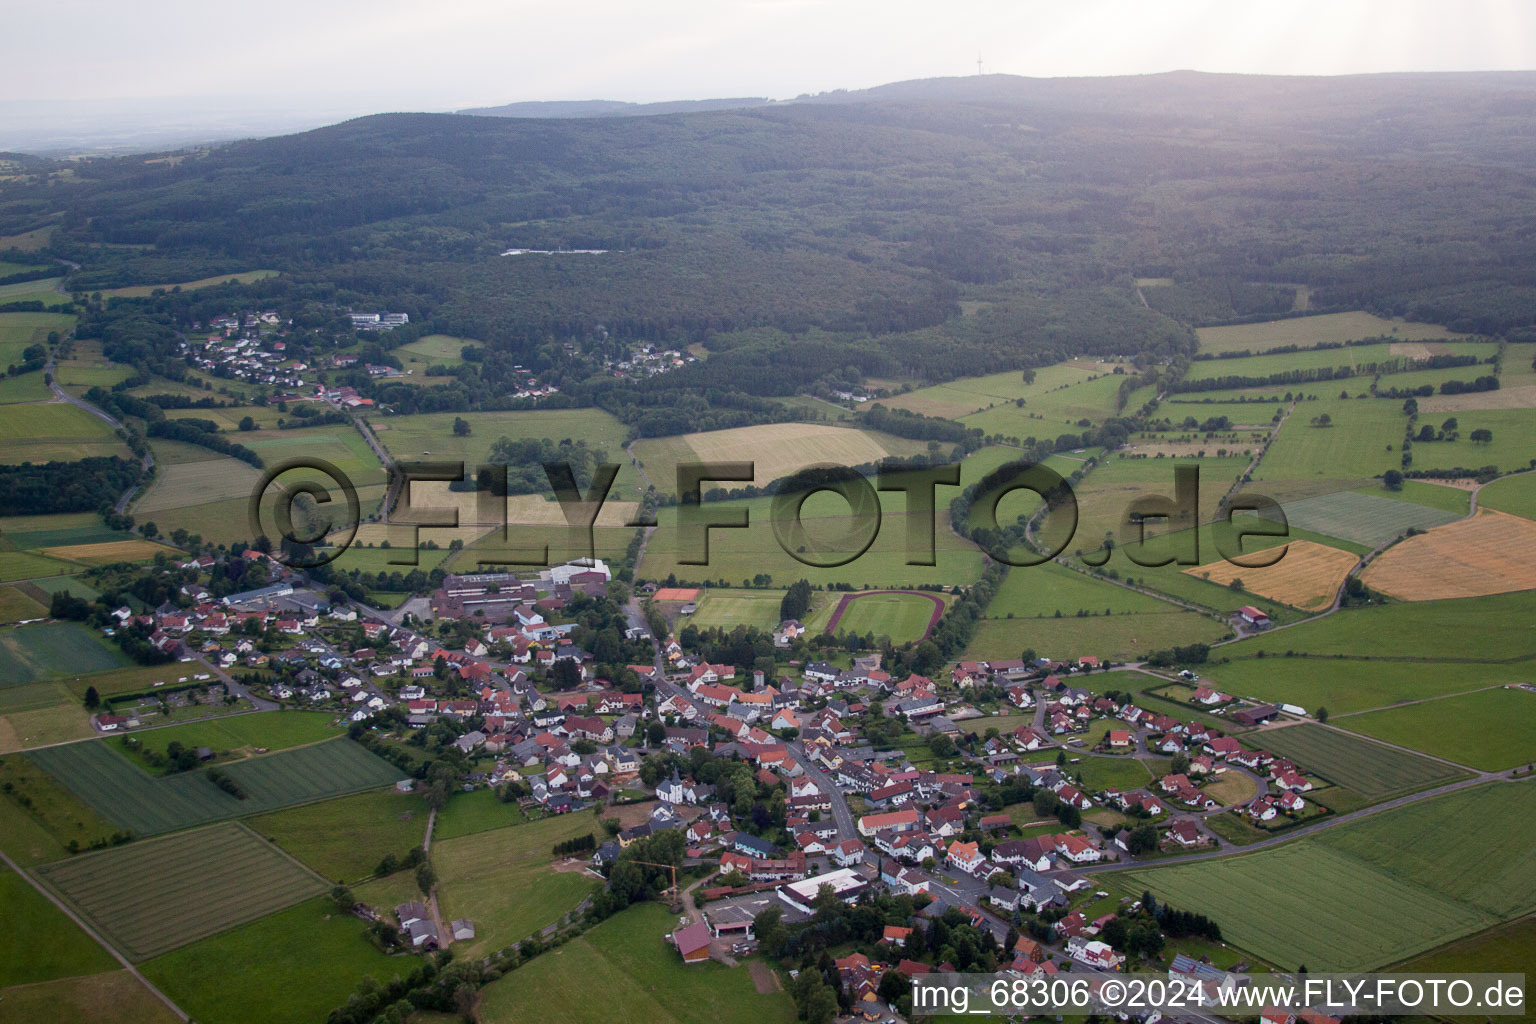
[[431, 499], [1306, 577], [107, 552], [1491, 553], [1522, 397], [1419, 349]]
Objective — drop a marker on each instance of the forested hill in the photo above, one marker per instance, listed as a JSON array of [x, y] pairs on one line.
[[867, 215]]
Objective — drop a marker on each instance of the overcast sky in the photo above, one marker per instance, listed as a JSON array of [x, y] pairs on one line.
[[368, 55]]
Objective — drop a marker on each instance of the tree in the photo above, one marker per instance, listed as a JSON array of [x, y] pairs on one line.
[[1143, 838], [343, 898], [92, 698], [460, 427], [1180, 764], [1411, 407], [655, 734], [1322, 714], [1392, 480], [426, 878], [941, 746], [1482, 435], [769, 928], [247, 423], [796, 601]]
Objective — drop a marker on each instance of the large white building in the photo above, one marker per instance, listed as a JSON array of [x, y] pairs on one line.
[[846, 883], [563, 573]]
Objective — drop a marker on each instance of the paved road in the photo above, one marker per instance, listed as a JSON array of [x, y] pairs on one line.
[[178, 1011], [841, 812]]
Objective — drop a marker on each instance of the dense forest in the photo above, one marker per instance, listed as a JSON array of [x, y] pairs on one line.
[[918, 231]]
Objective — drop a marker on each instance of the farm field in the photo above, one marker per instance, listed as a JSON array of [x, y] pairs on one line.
[[59, 528], [1422, 492], [1344, 685], [1045, 589], [112, 997], [27, 565], [1474, 629], [1316, 330], [728, 608], [40, 713], [40, 943], [1051, 412], [87, 367], [1307, 359], [180, 485], [528, 895], [1522, 396], [1491, 553], [1515, 495], [1390, 895], [54, 431], [1490, 729], [270, 730], [973, 394], [345, 839], [1108, 490], [43, 819], [1366, 519], [627, 960], [1355, 446], [28, 387], [19, 330], [902, 617], [740, 554], [337, 443], [1307, 577], [1509, 948], [44, 650], [122, 793], [479, 811], [107, 552], [318, 954], [407, 437], [16, 604], [1117, 637], [228, 418], [1514, 439], [144, 291], [776, 450], [1368, 769], [148, 898]]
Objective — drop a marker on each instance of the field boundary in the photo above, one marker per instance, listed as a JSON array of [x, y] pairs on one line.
[[847, 599]]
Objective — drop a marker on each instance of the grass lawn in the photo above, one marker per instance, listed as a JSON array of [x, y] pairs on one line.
[[1390, 895], [1368, 519], [480, 811], [502, 880], [1369, 769], [1446, 499], [29, 653], [625, 969], [1354, 446], [345, 839], [141, 291], [1490, 729], [112, 997], [1468, 629], [238, 734], [39, 433], [1036, 590], [293, 967], [1231, 788], [41, 806], [1098, 773], [148, 898], [40, 943]]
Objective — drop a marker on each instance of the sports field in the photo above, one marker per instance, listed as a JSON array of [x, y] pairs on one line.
[[903, 617], [1491, 553], [1514, 494], [1394, 884], [132, 799], [1373, 771], [317, 956], [1364, 518], [729, 608], [1490, 729], [626, 968], [1307, 576], [1474, 629], [1315, 330], [148, 898], [44, 650]]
